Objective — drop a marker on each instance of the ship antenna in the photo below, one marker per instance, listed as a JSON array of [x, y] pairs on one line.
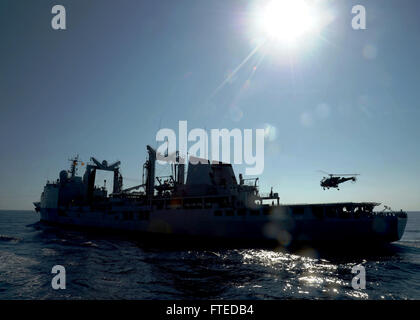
[[160, 125]]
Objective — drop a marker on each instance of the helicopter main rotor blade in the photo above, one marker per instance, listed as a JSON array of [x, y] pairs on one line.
[[324, 172]]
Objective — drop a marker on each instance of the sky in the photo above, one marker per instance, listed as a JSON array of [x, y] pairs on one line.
[[339, 100]]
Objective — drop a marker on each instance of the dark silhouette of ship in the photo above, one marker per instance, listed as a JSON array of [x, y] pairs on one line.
[[209, 204]]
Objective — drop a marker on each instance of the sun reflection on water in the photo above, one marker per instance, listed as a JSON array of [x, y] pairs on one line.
[[303, 275]]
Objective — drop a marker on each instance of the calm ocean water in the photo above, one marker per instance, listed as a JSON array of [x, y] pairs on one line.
[[111, 267]]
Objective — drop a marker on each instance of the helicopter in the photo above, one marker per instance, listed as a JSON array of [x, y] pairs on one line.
[[334, 180]]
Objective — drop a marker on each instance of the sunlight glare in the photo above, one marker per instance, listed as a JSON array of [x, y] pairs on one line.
[[287, 20]]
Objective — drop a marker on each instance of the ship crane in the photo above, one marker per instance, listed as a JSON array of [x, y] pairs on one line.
[[133, 188], [90, 175]]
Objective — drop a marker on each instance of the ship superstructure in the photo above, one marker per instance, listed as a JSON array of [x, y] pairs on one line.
[[209, 202]]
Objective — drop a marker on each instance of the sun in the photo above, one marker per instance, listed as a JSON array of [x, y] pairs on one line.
[[286, 20]]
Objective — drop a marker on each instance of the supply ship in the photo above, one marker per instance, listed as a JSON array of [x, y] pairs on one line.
[[209, 203]]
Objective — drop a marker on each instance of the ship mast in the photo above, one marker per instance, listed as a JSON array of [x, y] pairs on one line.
[[73, 166], [150, 166]]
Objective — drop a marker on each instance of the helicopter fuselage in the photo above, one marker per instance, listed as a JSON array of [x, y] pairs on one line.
[[334, 182]]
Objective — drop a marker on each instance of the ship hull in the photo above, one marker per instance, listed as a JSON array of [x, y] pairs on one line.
[[279, 229]]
